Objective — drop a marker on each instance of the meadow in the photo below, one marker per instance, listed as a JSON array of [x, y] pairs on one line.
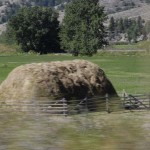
[[122, 130], [127, 70]]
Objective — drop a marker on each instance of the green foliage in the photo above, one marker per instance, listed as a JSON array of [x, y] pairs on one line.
[[10, 10], [112, 24], [13, 7], [36, 29], [48, 2], [120, 25], [147, 27], [44, 2], [131, 27], [7, 37], [82, 30]]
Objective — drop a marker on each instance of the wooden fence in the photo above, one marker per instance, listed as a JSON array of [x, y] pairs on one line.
[[136, 102], [65, 107]]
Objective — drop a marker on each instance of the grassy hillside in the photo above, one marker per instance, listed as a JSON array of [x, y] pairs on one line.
[[113, 6], [143, 11]]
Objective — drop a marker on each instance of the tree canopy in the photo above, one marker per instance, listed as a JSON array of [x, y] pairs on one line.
[[36, 29], [132, 28], [82, 30]]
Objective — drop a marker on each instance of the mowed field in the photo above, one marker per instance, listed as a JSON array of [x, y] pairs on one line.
[[120, 130]]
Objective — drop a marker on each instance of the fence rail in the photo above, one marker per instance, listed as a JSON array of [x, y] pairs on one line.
[[65, 107]]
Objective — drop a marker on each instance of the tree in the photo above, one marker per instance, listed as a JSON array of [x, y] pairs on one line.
[[126, 24], [112, 28], [82, 30], [147, 27], [140, 24], [121, 26], [112, 24], [44, 2], [7, 37], [133, 32], [36, 29]]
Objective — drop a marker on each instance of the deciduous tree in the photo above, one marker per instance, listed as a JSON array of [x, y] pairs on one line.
[[82, 30], [36, 29]]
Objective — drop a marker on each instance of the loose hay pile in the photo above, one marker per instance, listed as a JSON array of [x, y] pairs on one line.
[[35, 82]]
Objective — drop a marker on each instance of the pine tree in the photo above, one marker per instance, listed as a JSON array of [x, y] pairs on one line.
[[140, 24], [82, 30], [121, 26], [112, 24]]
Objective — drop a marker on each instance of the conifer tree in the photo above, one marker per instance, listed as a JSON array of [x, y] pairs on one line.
[[112, 24]]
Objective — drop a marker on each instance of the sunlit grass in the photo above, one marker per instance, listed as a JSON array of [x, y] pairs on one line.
[[126, 70], [124, 47]]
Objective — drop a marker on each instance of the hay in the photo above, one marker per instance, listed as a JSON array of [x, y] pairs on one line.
[[34, 82]]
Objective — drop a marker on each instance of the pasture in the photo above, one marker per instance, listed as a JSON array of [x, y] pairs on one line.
[[123, 130], [129, 71]]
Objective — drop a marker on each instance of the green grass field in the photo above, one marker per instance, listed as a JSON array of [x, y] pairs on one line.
[[123, 130], [129, 71]]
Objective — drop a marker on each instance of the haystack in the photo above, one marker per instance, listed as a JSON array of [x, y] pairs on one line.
[[35, 82]]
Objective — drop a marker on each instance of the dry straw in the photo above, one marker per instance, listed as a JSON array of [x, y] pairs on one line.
[[35, 82]]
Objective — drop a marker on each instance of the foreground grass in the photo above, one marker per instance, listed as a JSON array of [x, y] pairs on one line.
[[96, 131], [129, 71]]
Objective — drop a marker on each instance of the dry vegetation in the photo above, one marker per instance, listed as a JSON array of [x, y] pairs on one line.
[[143, 11], [6, 49], [56, 80]]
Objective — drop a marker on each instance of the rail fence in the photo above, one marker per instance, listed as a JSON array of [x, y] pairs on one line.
[[65, 107]]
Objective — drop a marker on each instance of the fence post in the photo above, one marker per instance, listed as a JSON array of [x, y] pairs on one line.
[[107, 103], [124, 99], [64, 106], [86, 104], [149, 100]]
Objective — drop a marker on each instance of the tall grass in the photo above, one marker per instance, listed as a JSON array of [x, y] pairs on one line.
[[6, 49], [128, 131], [144, 45]]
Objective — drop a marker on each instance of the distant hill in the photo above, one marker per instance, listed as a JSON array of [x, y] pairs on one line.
[[9, 7], [143, 11], [115, 8]]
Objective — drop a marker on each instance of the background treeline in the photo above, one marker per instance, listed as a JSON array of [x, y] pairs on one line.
[[38, 29], [13, 7], [81, 31], [10, 10], [131, 30]]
